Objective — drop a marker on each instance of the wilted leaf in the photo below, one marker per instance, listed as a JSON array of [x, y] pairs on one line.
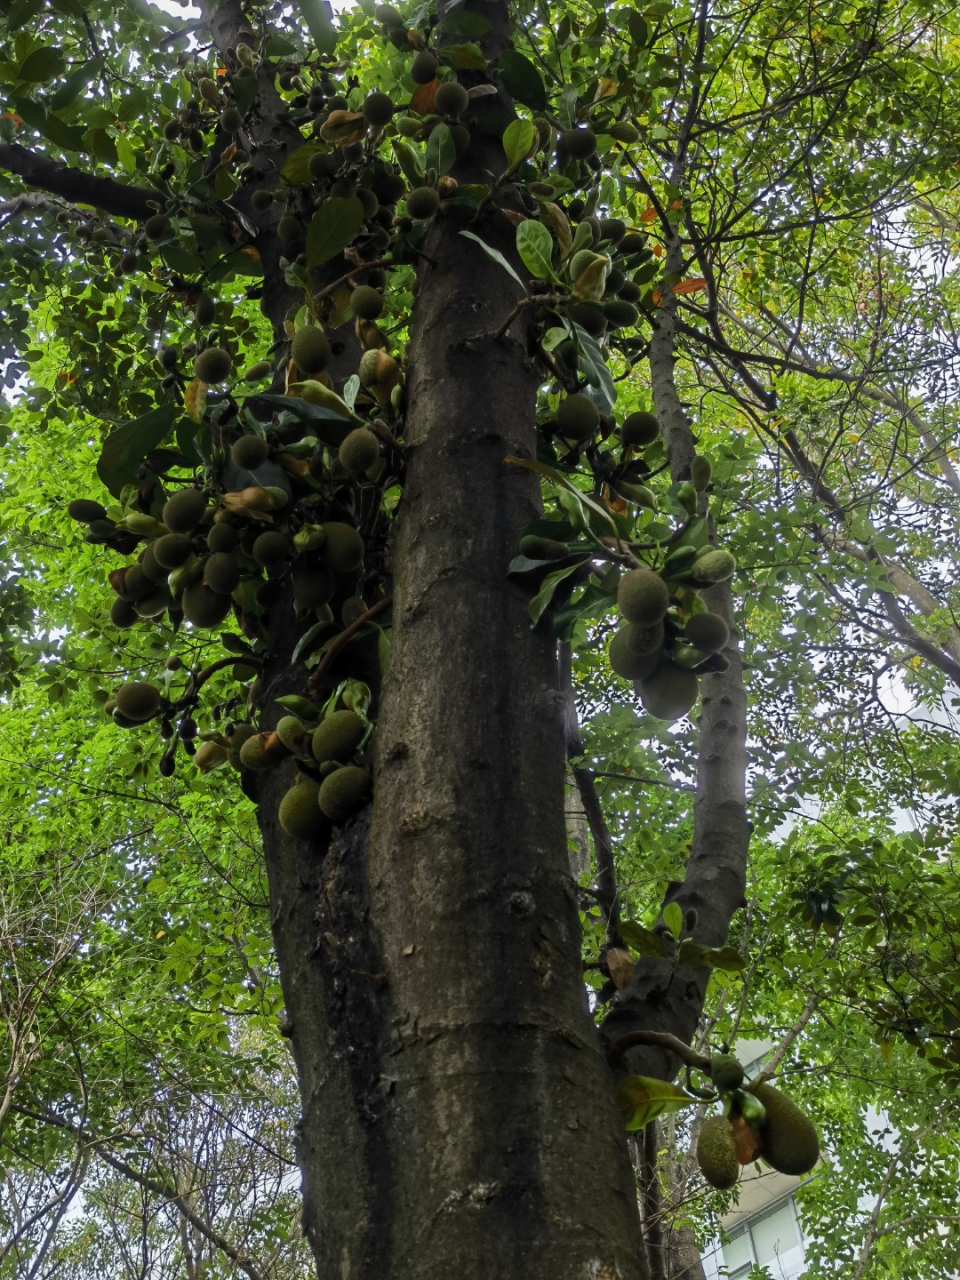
[[553, 216], [648, 215], [195, 399], [620, 964], [422, 100], [690, 286]]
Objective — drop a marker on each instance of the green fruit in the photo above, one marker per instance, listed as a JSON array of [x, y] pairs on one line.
[[388, 15], [620, 314], [634, 242], [359, 451], [424, 68], [367, 303], [293, 734], [579, 144], [343, 792], [708, 632], [626, 662], [240, 734], [588, 317], [123, 614], [537, 548], [451, 98], [136, 584], [582, 259], [726, 1072], [310, 350], [312, 588], [261, 199], [612, 229], [716, 1154], [250, 452], [623, 131], [788, 1136], [644, 640], [223, 537], [370, 204], [629, 291], [157, 226], [669, 692], [253, 753], [152, 605], [86, 510], [203, 607], [643, 597], [205, 312], [213, 365], [578, 417], [388, 188], [221, 573], [701, 469], [172, 130], [715, 566], [271, 548], [184, 510], [150, 565], [342, 547], [257, 371], [300, 814], [172, 550], [377, 109], [289, 227], [338, 736], [231, 120], [422, 202], [353, 607], [639, 429], [615, 280], [138, 700], [323, 164]]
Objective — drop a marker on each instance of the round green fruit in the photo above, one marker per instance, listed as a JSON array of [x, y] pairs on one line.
[[213, 365], [221, 573], [85, 510], [300, 814], [620, 314], [343, 792], [422, 203], [717, 565], [588, 317], [205, 312], [424, 68], [138, 700], [377, 109], [310, 350], [726, 1072], [669, 692], [626, 662], [250, 451], [203, 607], [342, 547], [271, 548], [231, 120], [451, 98], [707, 632], [359, 451], [367, 303], [639, 429], [643, 597], [223, 537], [123, 614], [338, 736], [578, 417], [580, 144], [184, 510]]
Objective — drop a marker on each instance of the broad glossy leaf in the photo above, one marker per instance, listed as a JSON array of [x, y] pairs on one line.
[[334, 226], [42, 65], [535, 247], [465, 57], [643, 1098], [441, 152], [124, 449], [549, 585], [522, 81], [465, 23], [517, 141], [644, 941]]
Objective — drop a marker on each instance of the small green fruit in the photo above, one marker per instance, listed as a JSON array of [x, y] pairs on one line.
[[726, 1072], [451, 98], [213, 365], [310, 351], [578, 417], [359, 451], [639, 429], [250, 451], [366, 302], [701, 470], [184, 510], [342, 547], [422, 203], [708, 632], [138, 700], [717, 565]]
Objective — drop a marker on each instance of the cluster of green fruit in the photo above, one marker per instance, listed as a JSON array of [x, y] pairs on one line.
[[604, 294], [759, 1122]]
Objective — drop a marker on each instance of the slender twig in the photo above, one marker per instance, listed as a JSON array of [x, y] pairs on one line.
[[364, 266], [346, 636]]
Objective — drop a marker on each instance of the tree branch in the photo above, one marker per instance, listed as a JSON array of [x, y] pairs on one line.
[[115, 198]]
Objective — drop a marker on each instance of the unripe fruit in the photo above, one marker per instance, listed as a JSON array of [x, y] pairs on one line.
[[377, 109], [203, 607], [152, 605], [388, 15], [578, 417], [623, 131], [157, 226], [643, 597], [86, 510], [205, 311], [612, 229], [250, 452], [123, 614], [422, 203], [359, 451], [716, 566], [312, 588], [138, 700], [627, 663], [669, 692], [213, 365], [588, 317], [701, 470], [639, 429], [261, 199], [716, 1154], [343, 792], [231, 120], [221, 573], [580, 144], [300, 814], [620, 314], [172, 550], [172, 130], [537, 548], [726, 1072], [707, 632], [271, 548], [310, 350], [367, 303], [388, 188], [257, 371], [338, 736], [223, 537], [184, 510], [342, 547], [451, 98], [789, 1138]]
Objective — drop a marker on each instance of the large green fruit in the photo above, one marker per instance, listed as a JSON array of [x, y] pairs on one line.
[[310, 350], [342, 546], [300, 814], [183, 511], [138, 700], [669, 692], [203, 607], [643, 597], [716, 1154], [707, 632], [715, 565], [343, 792], [790, 1141], [626, 662], [725, 1071], [338, 736]]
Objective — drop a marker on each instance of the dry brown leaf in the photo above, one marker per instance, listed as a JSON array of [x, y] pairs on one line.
[[690, 286], [228, 154], [296, 466], [620, 964], [648, 215], [422, 100]]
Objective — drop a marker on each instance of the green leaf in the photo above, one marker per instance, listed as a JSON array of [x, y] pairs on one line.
[[101, 145], [22, 12], [384, 643], [279, 46], [726, 958], [319, 18], [187, 442], [543, 469], [335, 225], [42, 65], [245, 92], [673, 918], [594, 366], [517, 141], [295, 170], [235, 644], [642, 1099], [298, 706], [78, 79], [496, 255], [465, 57], [535, 247], [521, 79], [639, 31], [441, 152], [644, 941], [182, 259], [408, 161], [65, 136], [124, 449], [549, 585], [465, 23]]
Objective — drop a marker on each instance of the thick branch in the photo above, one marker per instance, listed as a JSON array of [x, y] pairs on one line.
[[115, 198]]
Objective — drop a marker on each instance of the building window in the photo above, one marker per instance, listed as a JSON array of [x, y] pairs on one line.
[[770, 1240]]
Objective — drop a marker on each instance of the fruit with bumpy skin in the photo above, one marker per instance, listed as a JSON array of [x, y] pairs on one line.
[[367, 303], [726, 1072], [257, 371], [338, 736], [451, 98], [643, 640], [221, 573], [627, 663], [231, 120], [254, 755], [377, 109], [388, 15], [353, 607], [300, 814], [271, 548], [716, 1154], [293, 734], [343, 792], [620, 314], [424, 68], [172, 130], [588, 317], [157, 226], [708, 632], [152, 605], [239, 734], [123, 614], [184, 510], [150, 565], [716, 565], [136, 584], [579, 144], [639, 429], [669, 692], [250, 451], [172, 550], [262, 199], [790, 1141], [643, 597], [289, 227], [359, 451], [701, 469], [138, 700], [578, 417], [323, 164], [213, 365], [203, 607], [86, 510], [312, 588], [342, 546], [388, 188], [205, 311], [536, 548], [422, 202], [629, 291], [310, 351], [612, 229], [223, 537]]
